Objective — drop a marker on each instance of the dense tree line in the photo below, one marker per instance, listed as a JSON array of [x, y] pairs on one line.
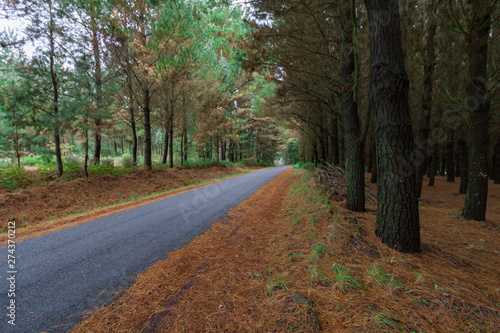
[[139, 77], [399, 89]]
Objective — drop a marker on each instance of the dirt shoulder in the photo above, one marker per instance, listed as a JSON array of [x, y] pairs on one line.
[[41, 209], [288, 259]]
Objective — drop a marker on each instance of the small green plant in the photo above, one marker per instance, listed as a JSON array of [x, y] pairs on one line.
[[295, 256], [335, 218], [318, 276], [344, 279], [383, 278], [295, 219], [456, 214], [382, 320], [275, 283], [314, 219], [319, 250], [255, 275]]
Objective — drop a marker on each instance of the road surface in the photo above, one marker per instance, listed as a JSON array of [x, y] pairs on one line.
[[62, 274]]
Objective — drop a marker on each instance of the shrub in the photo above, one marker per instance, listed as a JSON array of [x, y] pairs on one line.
[[11, 177], [127, 161], [108, 161]]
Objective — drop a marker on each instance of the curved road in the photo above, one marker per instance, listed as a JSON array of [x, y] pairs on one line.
[[64, 273]]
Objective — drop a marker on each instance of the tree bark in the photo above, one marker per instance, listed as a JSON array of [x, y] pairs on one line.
[[146, 107], [496, 163], [335, 140], [425, 117], [397, 212], [433, 166], [373, 178], [341, 143], [55, 95], [171, 123], [462, 161], [477, 187], [98, 85], [354, 168], [450, 161]]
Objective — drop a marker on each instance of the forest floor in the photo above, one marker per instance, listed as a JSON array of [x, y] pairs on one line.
[[290, 260], [38, 209]]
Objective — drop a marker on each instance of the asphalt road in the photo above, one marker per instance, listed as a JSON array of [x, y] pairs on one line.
[[64, 273]]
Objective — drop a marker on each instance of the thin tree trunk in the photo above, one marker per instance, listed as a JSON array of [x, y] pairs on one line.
[[55, 92], [341, 144], [477, 187], [146, 93], [450, 161], [425, 117], [462, 161], [433, 166], [86, 162], [496, 163], [373, 178], [335, 140], [354, 168], [171, 123], [397, 212], [98, 85]]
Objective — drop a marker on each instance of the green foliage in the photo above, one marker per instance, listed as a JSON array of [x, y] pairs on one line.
[[343, 277], [107, 161], [11, 178], [276, 282], [127, 161], [382, 278], [319, 250]]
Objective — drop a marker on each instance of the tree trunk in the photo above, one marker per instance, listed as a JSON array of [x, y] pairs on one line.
[[477, 187], [171, 123], [55, 96], [335, 140], [146, 107], [397, 212], [354, 168], [86, 162], [450, 161], [433, 166], [373, 178], [425, 117], [496, 163], [98, 83], [442, 169], [165, 144], [341, 144], [462, 161]]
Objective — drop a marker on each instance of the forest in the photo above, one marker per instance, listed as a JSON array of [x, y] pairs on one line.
[[387, 110], [187, 82]]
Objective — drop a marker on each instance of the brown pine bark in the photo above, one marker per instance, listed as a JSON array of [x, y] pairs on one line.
[[55, 94], [462, 161], [354, 168], [425, 117], [496, 163], [397, 211], [477, 39]]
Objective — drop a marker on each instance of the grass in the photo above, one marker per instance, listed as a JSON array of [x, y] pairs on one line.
[[343, 278]]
